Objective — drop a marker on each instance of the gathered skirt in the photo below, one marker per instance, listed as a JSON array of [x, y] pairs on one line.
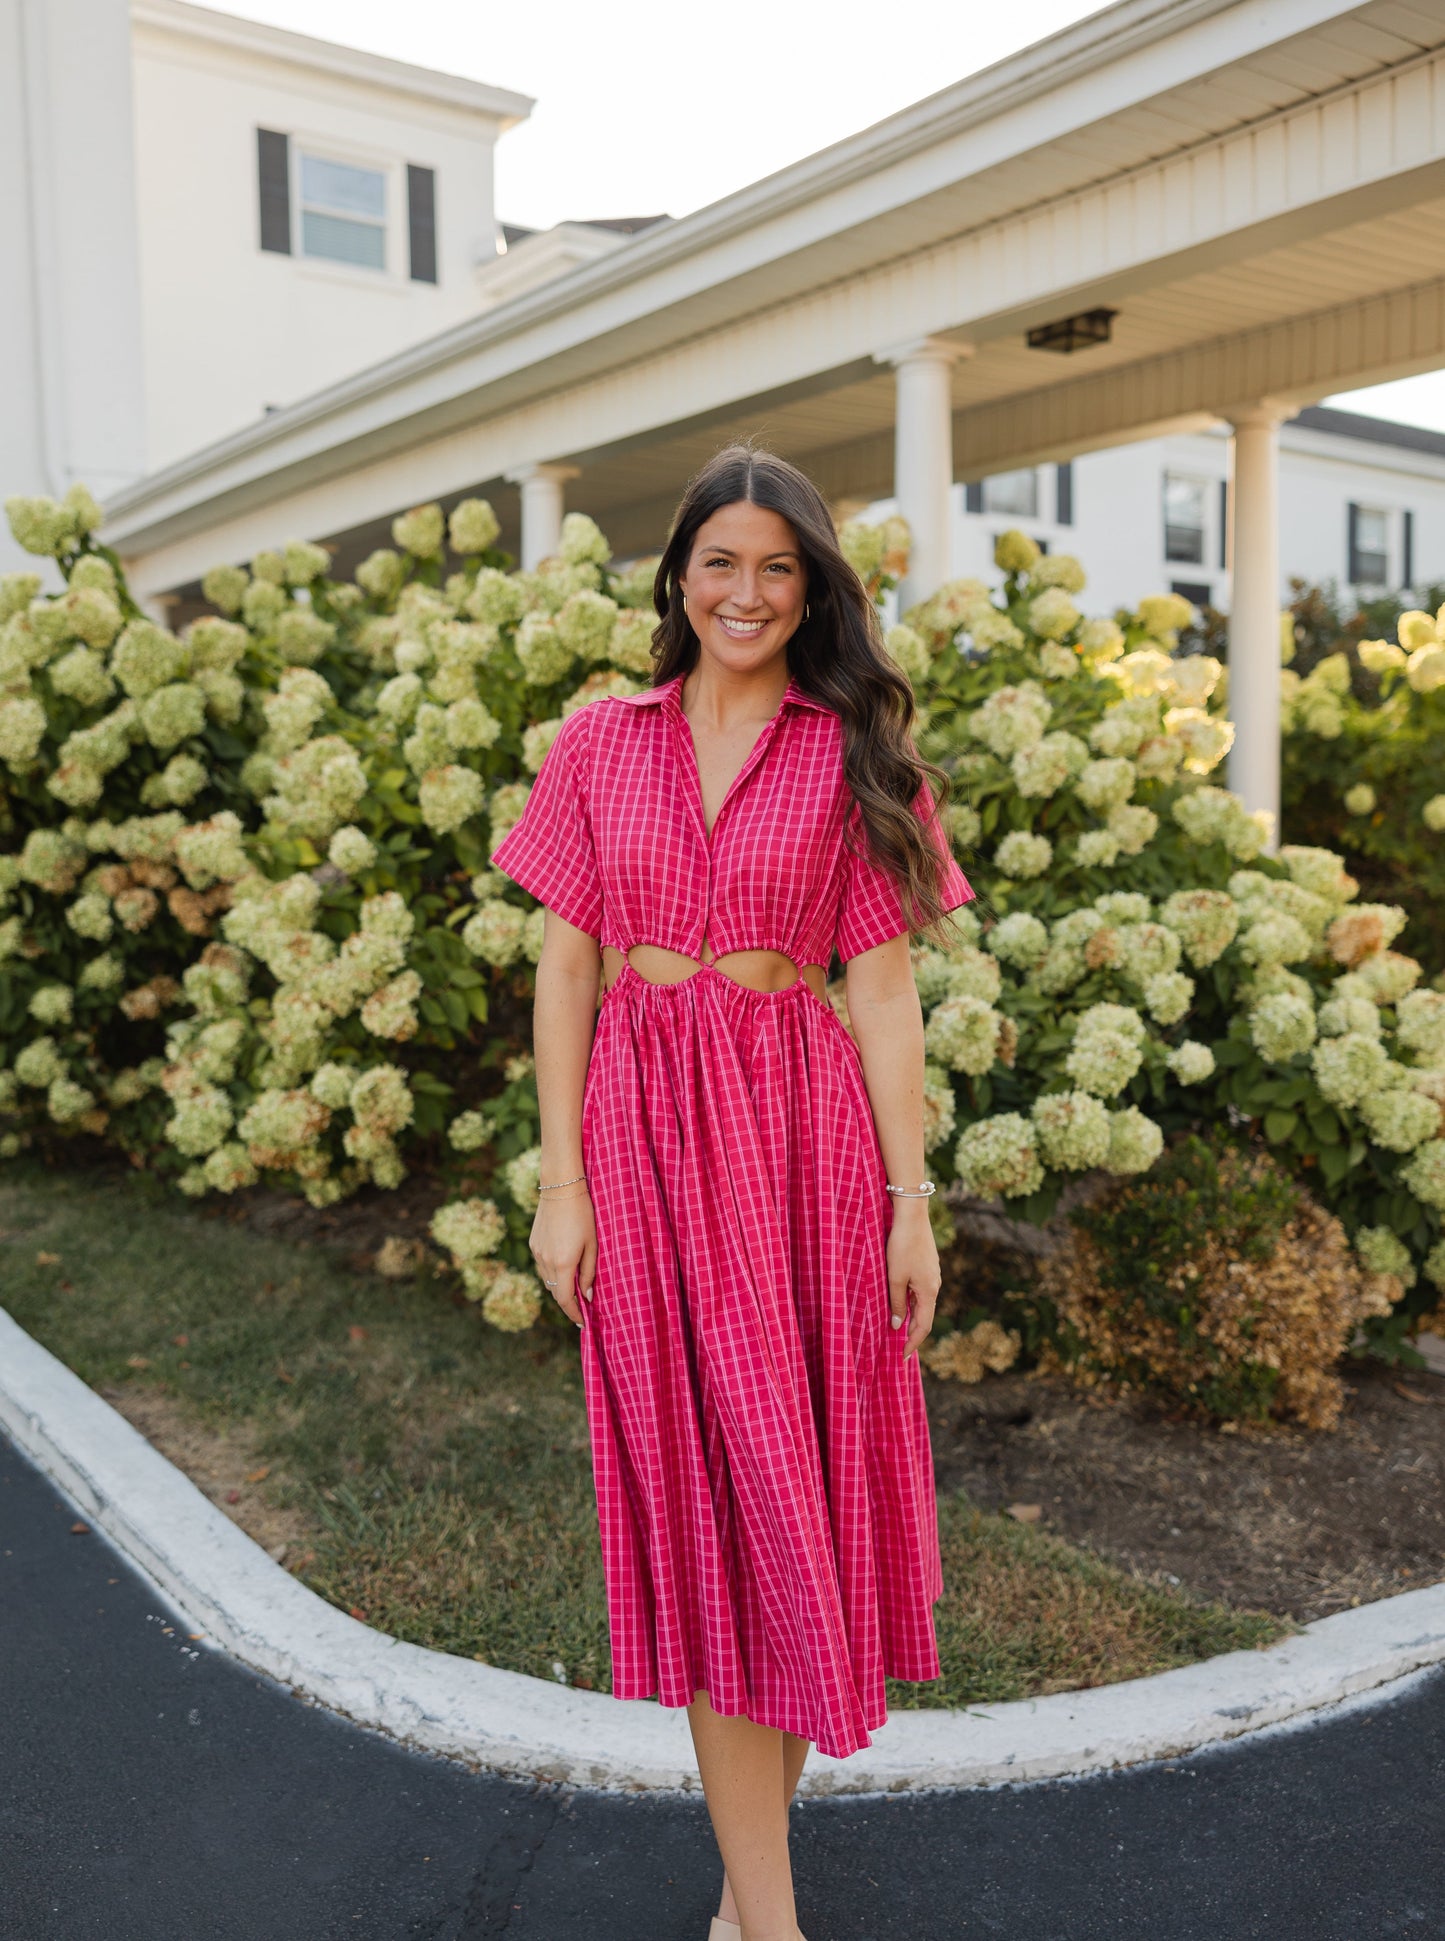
[[764, 1480]]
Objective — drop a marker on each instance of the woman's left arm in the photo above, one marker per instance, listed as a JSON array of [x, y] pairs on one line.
[[887, 1021]]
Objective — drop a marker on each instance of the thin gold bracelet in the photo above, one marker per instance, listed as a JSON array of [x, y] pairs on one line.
[[554, 1184]]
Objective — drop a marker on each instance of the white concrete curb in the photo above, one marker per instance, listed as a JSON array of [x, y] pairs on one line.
[[226, 1587]]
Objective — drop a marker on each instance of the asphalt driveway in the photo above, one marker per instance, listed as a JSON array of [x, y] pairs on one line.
[[150, 1790]]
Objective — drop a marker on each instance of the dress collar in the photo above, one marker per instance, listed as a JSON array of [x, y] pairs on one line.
[[668, 694]]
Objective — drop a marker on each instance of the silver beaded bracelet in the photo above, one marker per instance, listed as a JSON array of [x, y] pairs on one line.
[[554, 1184], [913, 1192]]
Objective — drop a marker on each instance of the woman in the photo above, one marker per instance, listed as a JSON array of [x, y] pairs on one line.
[[733, 1206]]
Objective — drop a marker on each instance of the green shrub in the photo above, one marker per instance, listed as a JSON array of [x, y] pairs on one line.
[[1215, 1283]]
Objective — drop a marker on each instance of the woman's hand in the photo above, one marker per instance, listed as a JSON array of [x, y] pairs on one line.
[[564, 1245], [913, 1268]]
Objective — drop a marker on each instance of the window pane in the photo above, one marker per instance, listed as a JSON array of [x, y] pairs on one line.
[[1371, 563], [343, 242], [1371, 531], [340, 187], [1184, 519], [1016, 492]]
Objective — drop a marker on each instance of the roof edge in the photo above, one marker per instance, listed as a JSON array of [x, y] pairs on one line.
[[229, 30]]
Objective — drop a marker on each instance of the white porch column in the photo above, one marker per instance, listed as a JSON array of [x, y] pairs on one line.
[[541, 487], [923, 457], [1254, 662]]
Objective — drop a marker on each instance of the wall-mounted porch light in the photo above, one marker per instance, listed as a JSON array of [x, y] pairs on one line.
[[1073, 333]]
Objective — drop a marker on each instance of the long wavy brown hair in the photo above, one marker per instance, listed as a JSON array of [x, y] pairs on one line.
[[837, 656]]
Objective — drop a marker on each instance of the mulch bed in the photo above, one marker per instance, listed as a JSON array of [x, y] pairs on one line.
[[1300, 1525], [1274, 1519]]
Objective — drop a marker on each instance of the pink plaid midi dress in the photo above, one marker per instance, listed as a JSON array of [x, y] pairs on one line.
[[764, 1480]]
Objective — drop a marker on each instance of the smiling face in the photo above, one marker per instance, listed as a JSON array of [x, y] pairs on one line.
[[746, 585]]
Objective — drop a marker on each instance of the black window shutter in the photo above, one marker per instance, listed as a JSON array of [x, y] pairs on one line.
[[273, 172], [1064, 494], [973, 496], [1354, 543], [421, 216], [1223, 524], [1407, 549]]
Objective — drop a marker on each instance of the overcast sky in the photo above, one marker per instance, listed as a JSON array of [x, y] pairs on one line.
[[647, 107]]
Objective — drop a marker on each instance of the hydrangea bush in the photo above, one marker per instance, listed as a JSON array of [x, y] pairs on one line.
[[1364, 756], [246, 921], [1138, 962], [249, 931]]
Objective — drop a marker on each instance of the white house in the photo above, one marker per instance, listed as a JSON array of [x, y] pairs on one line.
[[1175, 226], [304, 210], [204, 219], [1361, 504]]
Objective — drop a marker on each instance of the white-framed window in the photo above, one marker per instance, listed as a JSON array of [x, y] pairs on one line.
[[1013, 492], [1369, 535], [341, 210], [1186, 516]]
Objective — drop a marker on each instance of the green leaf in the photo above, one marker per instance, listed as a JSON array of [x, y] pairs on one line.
[[1278, 1125]]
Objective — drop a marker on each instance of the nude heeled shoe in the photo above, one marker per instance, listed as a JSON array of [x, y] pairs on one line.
[[730, 1931]]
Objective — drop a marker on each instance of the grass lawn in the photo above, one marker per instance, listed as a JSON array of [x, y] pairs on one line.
[[439, 1471]]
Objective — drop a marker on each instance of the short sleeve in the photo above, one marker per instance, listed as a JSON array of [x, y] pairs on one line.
[[870, 909], [550, 851]]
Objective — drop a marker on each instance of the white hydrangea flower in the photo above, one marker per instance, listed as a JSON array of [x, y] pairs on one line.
[[1043, 768], [212, 851], [317, 788], [998, 1157], [381, 1101], [473, 527], [1191, 1062], [495, 599], [504, 809], [1135, 1142], [1011, 718], [390, 1012], [1283, 1026], [1337, 1015], [544, 655], [89, 916], [963, 1033], [1206, 922], [104, 973], [1380, 656], [1433, 814], [470, 723], [1277, 938], [420, 532], [1073, 1130], [351, 850], [1018, 939], [585, 624], [470, 1131], [200, 1121], [301, 699], [22, 729], [1435, 1264], [1053, 614], [450, 796], [469, 1229], [1103, 1060], [147, 658], [1385, 1253], [1425, 669], [1389, 976], [1101, 640], [1168, 996], [1015, 552], [39, 1063], [83, 676], [1097, 849], [1399, 1119], [1423, 1174], [333, 1084], [1106, 784], [909, 650], [1420, 1023], [52, 1004], [1022, 855], [66, 1101], [940, 1108], [173, 713]]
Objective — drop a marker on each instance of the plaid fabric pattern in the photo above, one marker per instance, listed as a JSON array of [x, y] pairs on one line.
[[760, 1446]]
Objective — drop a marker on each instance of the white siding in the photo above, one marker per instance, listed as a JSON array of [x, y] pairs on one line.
[[231, 329]]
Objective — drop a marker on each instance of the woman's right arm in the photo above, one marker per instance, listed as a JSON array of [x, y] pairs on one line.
[[564, 1232]]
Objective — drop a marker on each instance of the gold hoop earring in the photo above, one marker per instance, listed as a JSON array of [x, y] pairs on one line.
[[807, 611]]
